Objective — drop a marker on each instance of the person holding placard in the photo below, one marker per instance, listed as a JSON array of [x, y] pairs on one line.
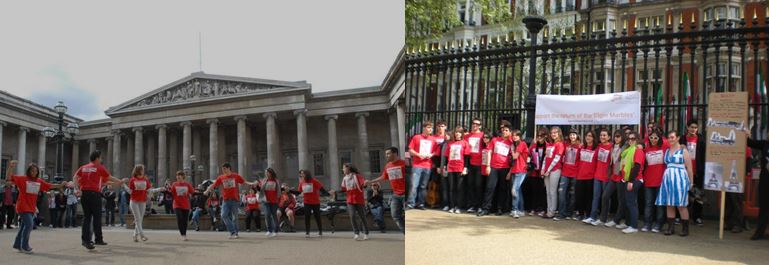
[[676, 182], [422, 148], [655, 168]]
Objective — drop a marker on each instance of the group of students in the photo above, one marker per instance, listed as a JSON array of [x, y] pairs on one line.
[[582, 173], [89, 179]]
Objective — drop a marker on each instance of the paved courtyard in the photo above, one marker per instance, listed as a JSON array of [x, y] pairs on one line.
[[436, 237], [62, 246]]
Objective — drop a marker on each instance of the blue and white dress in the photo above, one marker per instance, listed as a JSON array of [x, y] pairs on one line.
[[675, 183]]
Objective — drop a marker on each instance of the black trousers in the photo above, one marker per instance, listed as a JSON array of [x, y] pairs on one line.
[[313, 209], [181, 220], [696, 208], [474, 191], [7, 214], [457, 187], [446, 199], [534, 195], [91, 202], [109, 219], [583, 198], [255, 216], [734, 216], [496, 190], [763, 203]]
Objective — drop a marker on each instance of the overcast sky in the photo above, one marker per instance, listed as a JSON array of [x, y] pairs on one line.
[[98, 54]]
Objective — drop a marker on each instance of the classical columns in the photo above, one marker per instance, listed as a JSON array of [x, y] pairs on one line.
[[138, 145], [401, 113], [186, 145], [91, 146], [333, 151], [162, 172], [272, 140], [2, 126], [22, 151], [107, 157], [41, 153], [116, 146], [241, 144], [213, 148], [301, 138], [364, 165], [75, 156], [393, 127]]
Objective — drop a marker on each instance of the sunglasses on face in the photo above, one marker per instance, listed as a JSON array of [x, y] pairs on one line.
[[477, 123], [653, 138], [631, 138]]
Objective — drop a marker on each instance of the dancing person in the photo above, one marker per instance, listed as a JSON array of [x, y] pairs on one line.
[[394, 171], [353, 184], [311, 190], [139, 186], [230, 199], [252, 211], [181, 191], [29, 184], [269, 187], [88, 180]]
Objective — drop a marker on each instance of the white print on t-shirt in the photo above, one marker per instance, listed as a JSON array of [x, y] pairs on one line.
[[474, 144], [181, 190], [455, 153], [228, 183], [692, 147], [571, 156], [307, 188], [350, 183], [603, 155], [251, 200], [501, 148], [33, 187], [440, 140], [549, 151], [269, 185], [654, 157], [586, 155], [485, 157], [425, 147], [394, 173], [140, 185]]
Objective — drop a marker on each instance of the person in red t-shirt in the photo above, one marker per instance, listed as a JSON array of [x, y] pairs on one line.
[[568, 180], [586, 161], [311, 190], [287, 206], [182, 191], [475, 174], [615, 185], [456, 158], [655, 168], [230, 198], [354, 184], [421, 148], [551, 170], [269, 187], [535, 183], [520, 153], [29, 186], [88, 180], [252, 210], [394, 171], [138, 187], [602, 173], [497, 187]]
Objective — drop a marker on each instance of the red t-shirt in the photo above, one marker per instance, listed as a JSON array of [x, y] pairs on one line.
[[287, 201], [475, 140], [26, 201], [422, 145], [570, 160], [252, 203], [310, 190], [439, 139], [271, 189], [586, 163], [551, 150], [484, 162], [535, 153], [395, 172], [139, 187], [230, 186], [655, 164], [456, 152], [500, 152], [602, 161], [691, 146], [638, 157], [181, 191], [520, 165], [354, 189], [91, 177]]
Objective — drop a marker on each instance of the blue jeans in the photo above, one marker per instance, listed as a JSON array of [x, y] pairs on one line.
[[123, 210], [378, 213], [650, 195], [418, 191], [565, 194], [70, 216], [517, 195], [230, 215], [598, 187], [631, 203], [271, 216], [25, 228], [396, 210], [196, 216]]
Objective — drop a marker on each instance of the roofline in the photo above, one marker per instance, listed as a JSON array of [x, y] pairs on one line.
[[44, 109]]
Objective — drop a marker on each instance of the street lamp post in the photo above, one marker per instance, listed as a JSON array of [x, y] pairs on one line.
[[59, 136], [534, 24]]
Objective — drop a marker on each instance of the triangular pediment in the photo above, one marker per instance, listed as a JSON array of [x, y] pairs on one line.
[[199, 87]]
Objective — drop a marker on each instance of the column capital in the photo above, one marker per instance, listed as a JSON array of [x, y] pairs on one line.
[[331, 117], [185, 123], [240, 117], [137, 129], [361, 114], [24, 129], [109, 139], [92, 140], [160, 126], [300, 111], [115, 132], [270, 114], [212, 121], [3, 124]]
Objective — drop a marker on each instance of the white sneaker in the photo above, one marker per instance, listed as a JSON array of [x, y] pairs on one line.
[[446, 209], [273, 235], [365, 237], [610, 224], [355, 237], [644, 229], [516, 215], [231, 237], [596, 223], [629, 230], [588, 220], [268, 233], [621, 226]]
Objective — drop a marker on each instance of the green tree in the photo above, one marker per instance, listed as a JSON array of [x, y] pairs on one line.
[[429, 19]]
